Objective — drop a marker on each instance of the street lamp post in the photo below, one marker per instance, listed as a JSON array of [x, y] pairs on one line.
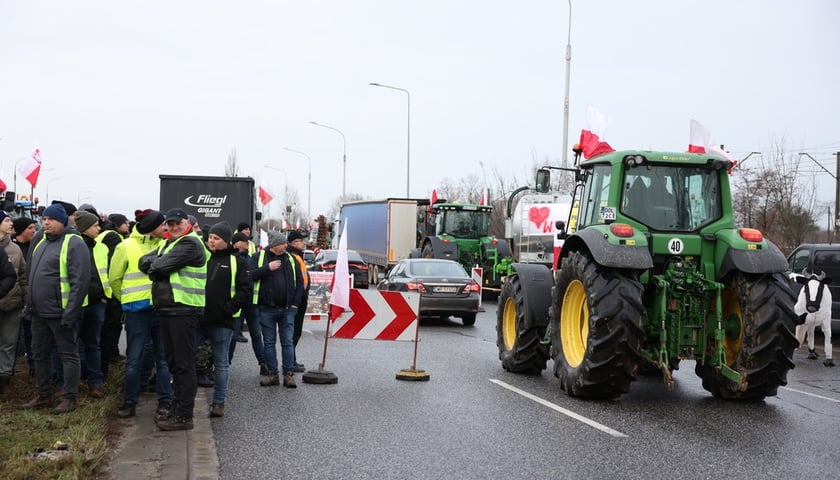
[[408, 137], [343, 157], [308, 183], [741, 162], [566, 98]]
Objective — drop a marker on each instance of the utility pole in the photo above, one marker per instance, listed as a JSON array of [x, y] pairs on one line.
[[837, 197]]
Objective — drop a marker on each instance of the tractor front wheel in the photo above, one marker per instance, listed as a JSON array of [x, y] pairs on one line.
[[520, 346], [596, 328], [758, 322]]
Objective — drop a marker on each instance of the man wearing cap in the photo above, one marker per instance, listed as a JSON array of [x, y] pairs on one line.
[[60, 263], [24, 231], [133, 289], [93, 313], [245, 229], [278, 290], [240, 244], [11, 304], [178, 270], [114, 231], [229, 288], [297, 244]]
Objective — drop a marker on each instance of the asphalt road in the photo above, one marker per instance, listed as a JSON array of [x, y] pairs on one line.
[[473, 420]]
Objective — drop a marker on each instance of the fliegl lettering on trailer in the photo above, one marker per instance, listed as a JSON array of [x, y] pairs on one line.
[[207, 205]]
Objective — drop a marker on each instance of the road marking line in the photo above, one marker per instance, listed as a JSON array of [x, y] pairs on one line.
[[558, 408], [811, 394]]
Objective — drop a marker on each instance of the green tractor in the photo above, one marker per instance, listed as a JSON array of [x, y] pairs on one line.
[[653, 271], [457, 231]]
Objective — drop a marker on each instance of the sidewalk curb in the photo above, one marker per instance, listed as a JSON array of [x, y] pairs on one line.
[[143, 451]]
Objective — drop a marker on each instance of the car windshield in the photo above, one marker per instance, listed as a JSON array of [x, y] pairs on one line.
[[436, 269]]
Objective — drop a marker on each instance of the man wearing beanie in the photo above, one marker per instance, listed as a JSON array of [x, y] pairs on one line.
[[240, 244], [297, 244], [11, 304], [133, 290], [93, 314], [24, 231], [245, 229], [224, 268], [114, 231], [178, 270], [278, 293], [60, 262]]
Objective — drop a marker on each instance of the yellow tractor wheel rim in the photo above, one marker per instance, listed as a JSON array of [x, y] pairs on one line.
[[733, 322], [509, 323], [574, 323]]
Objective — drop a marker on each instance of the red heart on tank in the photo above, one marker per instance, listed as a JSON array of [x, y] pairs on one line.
[[538, 215]]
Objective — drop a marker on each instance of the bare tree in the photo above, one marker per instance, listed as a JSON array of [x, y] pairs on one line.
[[232, 164], [776, 197]]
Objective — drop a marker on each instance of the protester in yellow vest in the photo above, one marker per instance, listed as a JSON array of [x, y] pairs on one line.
[[93, 314], [178, 270], [60, 262], [297, 244], [133, 289]]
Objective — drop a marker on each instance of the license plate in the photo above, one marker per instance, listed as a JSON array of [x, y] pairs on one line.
[[446, 289]]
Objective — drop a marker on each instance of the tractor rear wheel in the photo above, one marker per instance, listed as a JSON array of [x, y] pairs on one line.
[[428, 251], [759, 323], [520, 346], [596, 328]]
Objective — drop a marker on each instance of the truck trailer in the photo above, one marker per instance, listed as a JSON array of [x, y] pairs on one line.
[[210, 199], [382, 231]]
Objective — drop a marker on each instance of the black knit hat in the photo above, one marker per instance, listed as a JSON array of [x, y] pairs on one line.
[[69, 208], [243, 226], [295, 235], [147, 220], [21, 224], [117, 219], [222, 230]]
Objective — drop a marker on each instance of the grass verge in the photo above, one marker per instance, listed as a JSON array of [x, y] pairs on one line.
[[36, 444]]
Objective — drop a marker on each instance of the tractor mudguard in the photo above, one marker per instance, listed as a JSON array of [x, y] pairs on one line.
[[441, 249], [737, 257], [607, 250], [536, 282], [501, 246]]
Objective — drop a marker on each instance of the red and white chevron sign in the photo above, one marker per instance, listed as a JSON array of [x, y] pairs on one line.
[[379, 315]]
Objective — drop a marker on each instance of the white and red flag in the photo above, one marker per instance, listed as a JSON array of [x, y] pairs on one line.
[[30, 168], [485, 197], [592, 137], [340, 288], [700, 141], [265, 197]]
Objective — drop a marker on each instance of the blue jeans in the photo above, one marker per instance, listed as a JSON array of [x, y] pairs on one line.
[[140, 327], [220, 342], [90, 334], [249, 314], [274, 320]]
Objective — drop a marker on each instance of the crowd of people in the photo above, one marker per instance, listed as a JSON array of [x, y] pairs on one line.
[[182, 292]]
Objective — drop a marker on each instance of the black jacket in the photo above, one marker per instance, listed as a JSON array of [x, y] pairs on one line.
[[220, 307], [8, 276], [275, 286], [95, 291], [188, 252]]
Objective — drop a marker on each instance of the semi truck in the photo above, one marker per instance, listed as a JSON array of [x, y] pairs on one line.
[[211, 199], [382, 231]]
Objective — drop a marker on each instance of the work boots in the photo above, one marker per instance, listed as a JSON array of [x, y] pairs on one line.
[[66, 406], [37, 402], [217, 410], [289, 380], [270, 380], [812, 354]]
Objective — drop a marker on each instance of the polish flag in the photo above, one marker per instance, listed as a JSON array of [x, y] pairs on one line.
[[485, 197], [31, 168], [700, 141], [265, 197], [340, 287], [591, 137], [433, 199]]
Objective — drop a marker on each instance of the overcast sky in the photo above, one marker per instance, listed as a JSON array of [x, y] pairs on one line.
[[116, 93]]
